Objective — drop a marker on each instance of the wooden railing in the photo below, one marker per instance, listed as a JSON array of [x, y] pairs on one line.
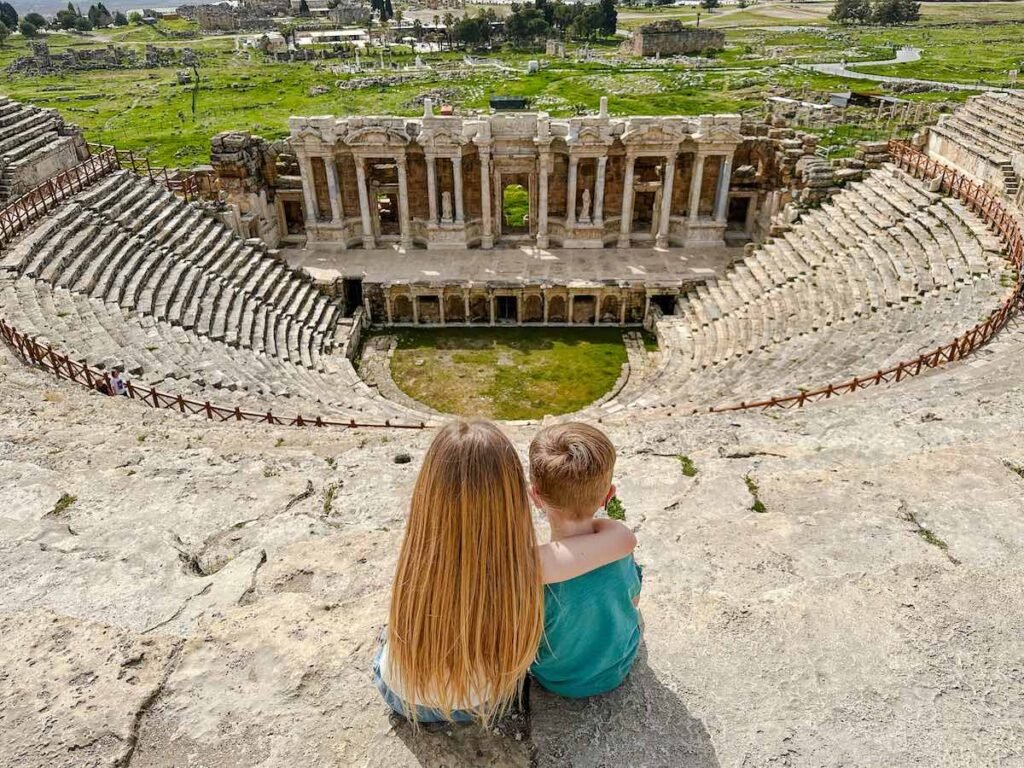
[[179, 182], [991, 208], [63, 367], [39, 201]]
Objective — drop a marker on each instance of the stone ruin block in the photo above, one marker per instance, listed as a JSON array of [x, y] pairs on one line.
[[672, 38]]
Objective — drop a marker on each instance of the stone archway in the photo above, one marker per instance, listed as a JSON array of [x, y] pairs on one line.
[[401, 309], [556, 309], [533, 309], [610, 308], [454, 309]]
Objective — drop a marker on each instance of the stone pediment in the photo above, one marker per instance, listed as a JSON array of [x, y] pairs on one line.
[[588, 136], [375, 136], [308, 132], [441, 137], [658, 133]]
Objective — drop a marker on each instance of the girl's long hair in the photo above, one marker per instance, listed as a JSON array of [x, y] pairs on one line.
[[467, 608]]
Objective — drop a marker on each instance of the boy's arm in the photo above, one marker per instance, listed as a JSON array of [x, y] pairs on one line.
[[568, 558]]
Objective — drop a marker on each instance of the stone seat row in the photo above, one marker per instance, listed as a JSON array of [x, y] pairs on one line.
[[177, 361], [159, 217], [884, 272], [962, 129], [1000, 118], [843, 261], [229, 292]]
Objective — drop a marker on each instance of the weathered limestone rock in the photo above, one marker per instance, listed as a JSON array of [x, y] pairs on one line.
[[878, 593]]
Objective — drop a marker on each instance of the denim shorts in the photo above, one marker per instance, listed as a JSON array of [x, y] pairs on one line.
[[423, 714]]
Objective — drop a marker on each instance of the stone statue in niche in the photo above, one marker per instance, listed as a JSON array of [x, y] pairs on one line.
[[585, 210], [446, 207]]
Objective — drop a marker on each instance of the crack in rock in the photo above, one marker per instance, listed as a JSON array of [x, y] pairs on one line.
[[246, 597], [132, 741], [181, 609]]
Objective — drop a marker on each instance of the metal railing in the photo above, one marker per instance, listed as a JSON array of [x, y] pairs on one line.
[[40, 200], [63, 367], [989, 206], [179, 182]]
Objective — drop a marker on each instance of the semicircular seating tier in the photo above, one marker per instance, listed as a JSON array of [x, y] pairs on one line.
[[983, 137], [882, 273], [126, 274], [28, 134]]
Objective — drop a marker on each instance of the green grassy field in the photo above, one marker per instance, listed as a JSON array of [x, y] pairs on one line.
[[508, 373], [148, 111]]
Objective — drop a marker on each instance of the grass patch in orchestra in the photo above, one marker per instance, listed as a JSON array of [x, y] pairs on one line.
[[507, 373]]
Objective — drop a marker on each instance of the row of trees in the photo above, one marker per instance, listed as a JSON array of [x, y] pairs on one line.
[[887, 12], [70, 18], [532, 22]]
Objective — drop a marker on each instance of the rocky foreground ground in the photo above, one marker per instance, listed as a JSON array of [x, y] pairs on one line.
[[175, 593]]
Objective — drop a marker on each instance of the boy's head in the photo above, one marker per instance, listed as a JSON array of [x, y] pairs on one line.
[[571, 469]]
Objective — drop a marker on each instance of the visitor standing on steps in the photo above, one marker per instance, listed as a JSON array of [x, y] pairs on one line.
[[467, 610], [117, 384]]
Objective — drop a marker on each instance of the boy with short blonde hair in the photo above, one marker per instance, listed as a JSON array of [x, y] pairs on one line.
[[591, 624]]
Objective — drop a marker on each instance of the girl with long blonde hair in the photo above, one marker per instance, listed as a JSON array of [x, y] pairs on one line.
[[467, 604]]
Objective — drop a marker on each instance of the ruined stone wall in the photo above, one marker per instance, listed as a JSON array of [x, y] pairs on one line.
[[672, 38], [244, 167], [43, 62]]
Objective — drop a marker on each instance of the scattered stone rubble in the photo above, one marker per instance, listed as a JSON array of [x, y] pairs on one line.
[[42, 62]]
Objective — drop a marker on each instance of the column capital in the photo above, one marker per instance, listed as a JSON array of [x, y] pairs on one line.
[[456, 159]]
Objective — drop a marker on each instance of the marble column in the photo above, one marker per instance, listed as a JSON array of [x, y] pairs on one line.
[[570, 203], [542, 204], [465, 301], [440, 307], [404, 222], [722, 196], [626, 226], [460, 216], [487, 235], [432, 189], [696, 182], [415, 310], [337, 212], [369, 241], [665, 214], [490, 301], [598, 214], [570, 306], [309, 191]]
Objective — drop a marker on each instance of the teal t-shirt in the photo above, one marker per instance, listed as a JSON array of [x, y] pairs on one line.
[[591, 631]]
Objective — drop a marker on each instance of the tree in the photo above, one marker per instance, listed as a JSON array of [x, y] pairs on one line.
[[851, 12], [609, 18], [120, 20], [27, 28], [303, 8], [4, 32], [709, 5], [417, 30], [35, 19], [8, 16], [909, 11], [103, 16], [449, 23], [892, 12], [82, 24], [134, 17]]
